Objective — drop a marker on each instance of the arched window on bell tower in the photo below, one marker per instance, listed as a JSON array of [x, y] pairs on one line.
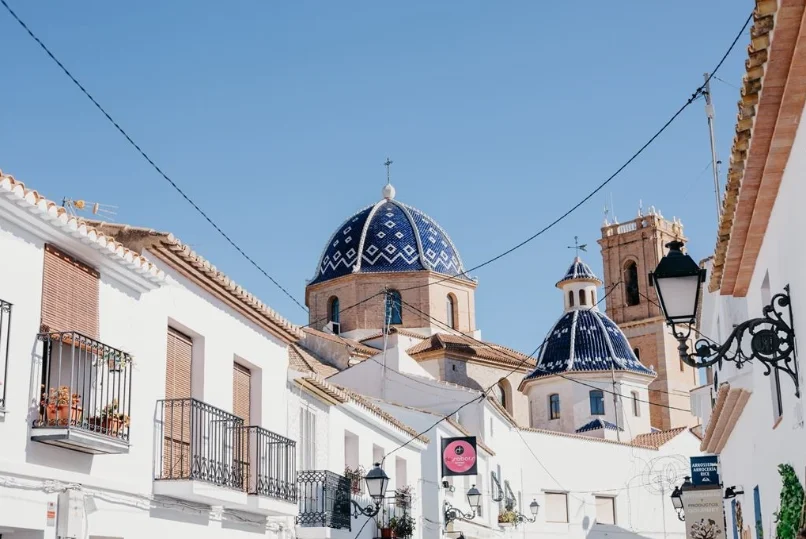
[[570, 298], [631, 283]]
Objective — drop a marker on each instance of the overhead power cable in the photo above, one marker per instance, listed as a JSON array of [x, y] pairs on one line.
[[148, 159]]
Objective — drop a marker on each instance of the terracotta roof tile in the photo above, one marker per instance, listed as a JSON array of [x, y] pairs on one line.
[[167, 247], [58, 217], [657, 439], [401, 331], [357, 347], [472, 348], [304, 360], [588, 438]]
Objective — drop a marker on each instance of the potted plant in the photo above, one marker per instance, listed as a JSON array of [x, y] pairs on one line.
[[76, 411], [57, 405], [402, 526], [507, 518], [110, 421], [403, 496]]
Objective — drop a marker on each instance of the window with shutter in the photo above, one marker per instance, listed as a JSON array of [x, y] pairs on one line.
[[69, 294], [556, 507], [605, 510], [241, 405], [176, 453]]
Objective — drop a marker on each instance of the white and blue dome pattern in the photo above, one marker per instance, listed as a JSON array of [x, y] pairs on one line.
[[388, 237], [579, 270], [597, 424], [585, 340]]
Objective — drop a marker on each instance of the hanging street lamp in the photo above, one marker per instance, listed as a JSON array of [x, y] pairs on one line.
[[677, 498], [473, 500], [376, 481], [769, 339], [534, 507]]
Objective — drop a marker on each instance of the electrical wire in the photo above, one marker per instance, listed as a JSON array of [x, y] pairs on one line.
[[697, 93], [147, 158]]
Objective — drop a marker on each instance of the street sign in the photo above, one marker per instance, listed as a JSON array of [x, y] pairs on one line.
[[705, 470], [705, 514]]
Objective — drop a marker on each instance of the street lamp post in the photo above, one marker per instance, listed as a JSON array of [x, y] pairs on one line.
[[677, 498], [678, 282], [473, 500], [376, 481], [534, 507]]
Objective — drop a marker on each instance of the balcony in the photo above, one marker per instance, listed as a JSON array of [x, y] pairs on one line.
[[207, 455], [324, 501], [85, 395], [5, 340]]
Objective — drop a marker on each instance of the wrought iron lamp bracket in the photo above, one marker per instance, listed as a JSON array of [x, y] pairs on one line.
[[368, 511], [452, 513], [769, 339]]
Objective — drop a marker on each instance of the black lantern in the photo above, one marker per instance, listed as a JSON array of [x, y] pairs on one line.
[[377, 480], [534, 507], [677, 498], [769, 339], [474, 498], [677, 281]]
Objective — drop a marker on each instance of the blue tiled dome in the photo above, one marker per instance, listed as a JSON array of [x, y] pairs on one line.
[[597, 424], [388, 237], [586, 340], [579, 271]]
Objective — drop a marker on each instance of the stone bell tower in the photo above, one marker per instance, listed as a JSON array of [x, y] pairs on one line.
[[630, 251]]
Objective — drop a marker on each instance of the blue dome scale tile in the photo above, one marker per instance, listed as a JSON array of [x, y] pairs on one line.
[[388, 237]]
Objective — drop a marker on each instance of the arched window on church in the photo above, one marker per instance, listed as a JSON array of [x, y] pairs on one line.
[[631, 283], [450, 307], [637, 353], [570, 298], [394, 308], [333, 313], [503, 394], [582, 299]]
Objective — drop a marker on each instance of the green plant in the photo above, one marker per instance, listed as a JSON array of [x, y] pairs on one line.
[[110, 410], [507, 517], [791, 504], [403, 496], [403, 525]]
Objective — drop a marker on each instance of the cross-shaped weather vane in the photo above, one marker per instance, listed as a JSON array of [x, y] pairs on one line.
[[388, 165], [576, 246]]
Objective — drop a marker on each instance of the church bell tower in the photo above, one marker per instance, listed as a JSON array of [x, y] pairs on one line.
[[630, 251]]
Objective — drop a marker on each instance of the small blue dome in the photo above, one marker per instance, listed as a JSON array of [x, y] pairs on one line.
[[597, 424], [586, 340], [579, 271], [388, 237]]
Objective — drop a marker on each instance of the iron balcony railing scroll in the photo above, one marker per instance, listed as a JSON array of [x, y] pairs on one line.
[[5, 341], [324, 500], [85, 385], [202, 443], [271, 465]]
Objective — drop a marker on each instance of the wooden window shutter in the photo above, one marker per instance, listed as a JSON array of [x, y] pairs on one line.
[[176, 457], [179, 363], [241, 393], [69, 294]]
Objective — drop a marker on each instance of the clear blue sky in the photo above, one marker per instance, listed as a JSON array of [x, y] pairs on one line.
[[276, 118]]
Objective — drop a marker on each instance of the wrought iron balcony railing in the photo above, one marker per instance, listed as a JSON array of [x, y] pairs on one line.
[[201, 442], [86, 388], [324, 500], [272, 464]]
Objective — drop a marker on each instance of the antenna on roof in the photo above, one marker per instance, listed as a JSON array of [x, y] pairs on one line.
[[95, 208]]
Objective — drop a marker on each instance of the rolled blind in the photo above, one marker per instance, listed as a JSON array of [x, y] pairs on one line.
[[241, 394], [179, 359], [556, 507], [69, 294]]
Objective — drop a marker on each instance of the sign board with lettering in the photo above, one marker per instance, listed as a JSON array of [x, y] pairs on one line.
[[705, 514], [51, 513], [459, 456], [705, 470]]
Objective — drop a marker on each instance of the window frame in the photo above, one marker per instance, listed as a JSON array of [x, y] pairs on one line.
[[600, 398], [450, 316], [552, 414], [393, 305], [612, 502], [636, 404], [546, 496], [632, 294], [570, 298]]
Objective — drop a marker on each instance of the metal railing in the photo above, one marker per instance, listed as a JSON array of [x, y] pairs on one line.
[[5, 341], [86, 385], [202, 443], [272, 464], [324, 500], [393, 507]]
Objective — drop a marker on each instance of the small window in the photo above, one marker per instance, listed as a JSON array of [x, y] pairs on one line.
[[503, 396], [631, 283], [605, 510], [636, 404], [394, 307], [333, 313], [582, 300], [637, 353], [570, 298], [597, 402], [450, 308], [554, 406], [556, 507]]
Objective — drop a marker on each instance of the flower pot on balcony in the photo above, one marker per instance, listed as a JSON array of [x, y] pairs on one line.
[[387, 533], [110, 425]]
